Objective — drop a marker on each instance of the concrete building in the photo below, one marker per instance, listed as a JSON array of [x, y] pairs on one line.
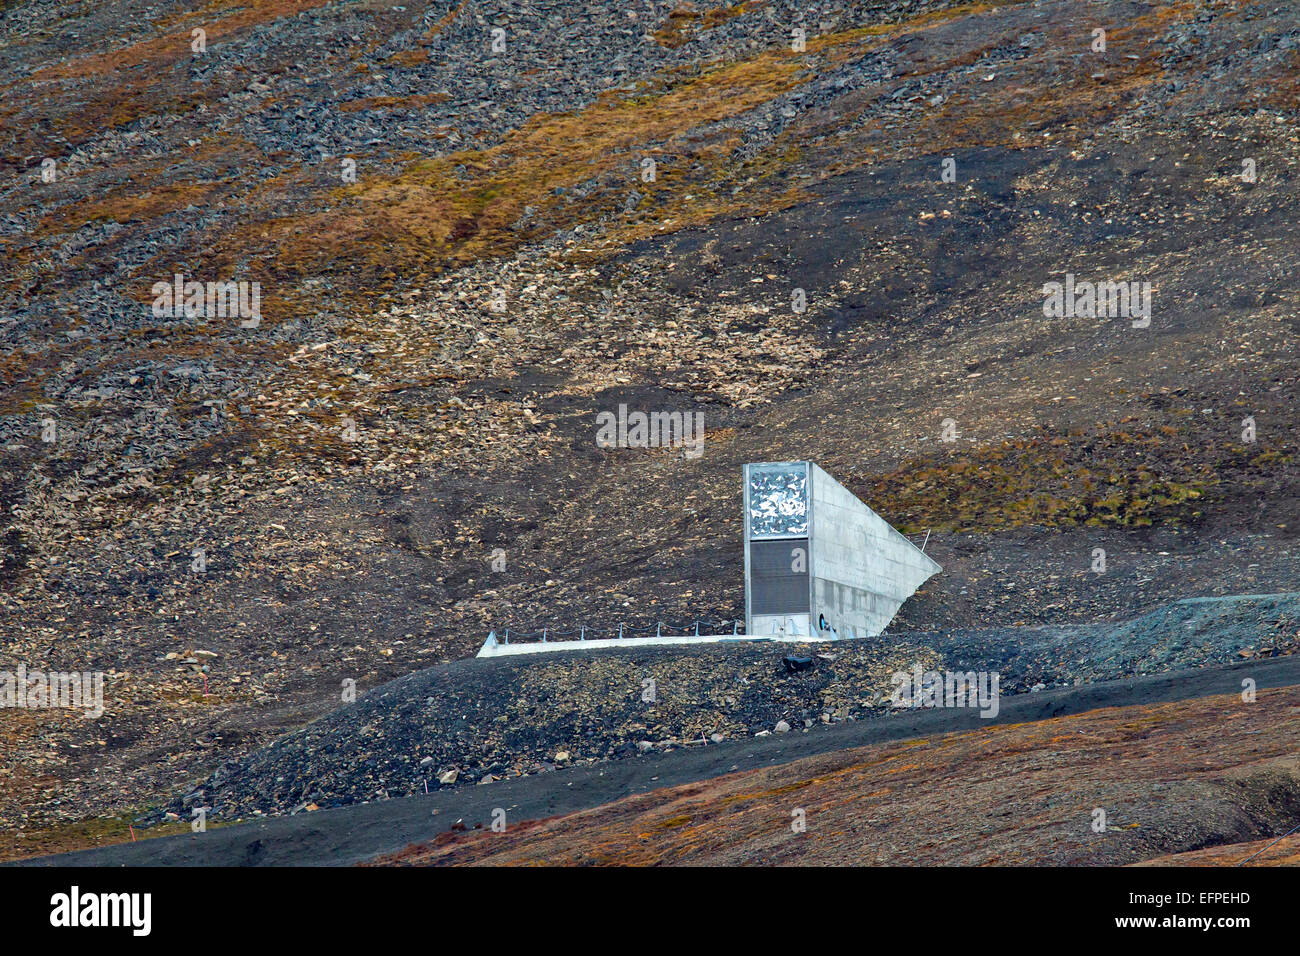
[[819, 562], [819, 566]]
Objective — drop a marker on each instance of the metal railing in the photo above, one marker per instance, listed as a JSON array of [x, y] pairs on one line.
[[583, 633]]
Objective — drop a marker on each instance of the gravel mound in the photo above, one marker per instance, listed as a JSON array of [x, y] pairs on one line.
[[479, 721]]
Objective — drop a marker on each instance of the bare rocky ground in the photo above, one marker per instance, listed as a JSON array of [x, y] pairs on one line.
[[336, 553], [478, 722], [359, 832], [1169, 779]]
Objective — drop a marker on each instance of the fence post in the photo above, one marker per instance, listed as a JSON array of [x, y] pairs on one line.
[[735, 625], [658, 625], [507, 635], [697, 628], [543, 635], [583, 635], [620, 630]]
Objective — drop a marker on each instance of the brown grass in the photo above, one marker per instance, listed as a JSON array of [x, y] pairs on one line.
[[430, 217], [392, 102], [218, 20], [685, 23]]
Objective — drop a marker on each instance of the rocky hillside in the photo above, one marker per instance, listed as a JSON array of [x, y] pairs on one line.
[[476, 225]]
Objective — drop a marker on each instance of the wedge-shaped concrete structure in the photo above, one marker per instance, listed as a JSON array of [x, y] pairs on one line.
[[819, 562], [819, 566]]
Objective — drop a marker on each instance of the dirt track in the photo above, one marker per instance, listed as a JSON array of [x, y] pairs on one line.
[[355, 834]]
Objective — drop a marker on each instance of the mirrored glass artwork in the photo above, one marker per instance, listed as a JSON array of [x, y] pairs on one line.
[[778, 500]]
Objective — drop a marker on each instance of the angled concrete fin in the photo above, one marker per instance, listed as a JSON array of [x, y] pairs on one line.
[[859, 570]]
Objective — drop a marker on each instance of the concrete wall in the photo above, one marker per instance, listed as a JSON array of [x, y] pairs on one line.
[[862, 569]]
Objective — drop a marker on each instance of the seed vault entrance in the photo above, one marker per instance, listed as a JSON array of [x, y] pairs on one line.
[[817, 560]]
